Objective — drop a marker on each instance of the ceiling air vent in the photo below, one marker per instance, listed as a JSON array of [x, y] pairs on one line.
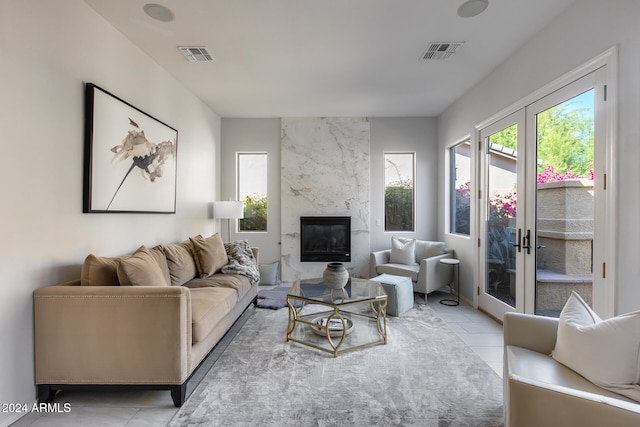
[[196, 54], [440, 50]]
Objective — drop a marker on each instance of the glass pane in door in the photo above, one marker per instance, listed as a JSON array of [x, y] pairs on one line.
[[500, 261], [564, 203]]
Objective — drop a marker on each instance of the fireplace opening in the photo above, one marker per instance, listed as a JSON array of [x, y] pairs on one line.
[[325, 238]]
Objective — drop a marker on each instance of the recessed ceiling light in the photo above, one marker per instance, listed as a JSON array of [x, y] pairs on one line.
[[159, 12], [471, 8]]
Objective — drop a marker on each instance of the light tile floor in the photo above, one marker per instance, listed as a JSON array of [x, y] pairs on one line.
[[481, 332], [155, 408]]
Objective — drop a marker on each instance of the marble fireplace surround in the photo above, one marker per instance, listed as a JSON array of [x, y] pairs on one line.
[[325, 164]]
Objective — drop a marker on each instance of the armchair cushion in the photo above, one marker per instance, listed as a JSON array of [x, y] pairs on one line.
[[400, 270], [587, 343], [403, 251]]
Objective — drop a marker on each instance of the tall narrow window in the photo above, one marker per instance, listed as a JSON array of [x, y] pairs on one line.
[[252, 190], [399, 194], [460, 188]]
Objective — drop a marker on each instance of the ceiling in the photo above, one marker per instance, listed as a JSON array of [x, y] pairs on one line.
[[304, 58]]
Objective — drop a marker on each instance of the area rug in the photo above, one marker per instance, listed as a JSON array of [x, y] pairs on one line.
[[424, 376]]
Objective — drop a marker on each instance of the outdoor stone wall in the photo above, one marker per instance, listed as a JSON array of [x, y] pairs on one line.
[[565, 229]]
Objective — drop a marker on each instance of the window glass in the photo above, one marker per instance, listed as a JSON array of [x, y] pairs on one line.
[[399, 194], [252, 190], [460, 182]]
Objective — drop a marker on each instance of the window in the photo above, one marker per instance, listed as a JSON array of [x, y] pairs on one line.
[[460, 188], [399, 194], [252, 190]]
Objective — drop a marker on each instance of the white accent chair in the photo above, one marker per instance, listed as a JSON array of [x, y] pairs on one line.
[[538, 391], [417, 259]]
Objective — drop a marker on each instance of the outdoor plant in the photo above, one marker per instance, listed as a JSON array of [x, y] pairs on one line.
[[255, 213], [398, 202], [463, 209]]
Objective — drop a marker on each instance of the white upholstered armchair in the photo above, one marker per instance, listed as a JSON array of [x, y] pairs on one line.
[[418, 259]]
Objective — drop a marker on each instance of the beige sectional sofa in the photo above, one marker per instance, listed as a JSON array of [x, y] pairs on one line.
[[142, 321]]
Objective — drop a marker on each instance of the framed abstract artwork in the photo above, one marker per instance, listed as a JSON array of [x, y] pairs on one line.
[[130, 158]]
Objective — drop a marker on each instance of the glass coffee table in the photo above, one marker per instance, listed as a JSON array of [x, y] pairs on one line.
[[337, 320]]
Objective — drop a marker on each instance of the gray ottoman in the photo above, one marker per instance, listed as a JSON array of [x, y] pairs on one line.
[[399, 291]]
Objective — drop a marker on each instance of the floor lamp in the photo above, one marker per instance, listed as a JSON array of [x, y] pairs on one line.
[[228, 210]]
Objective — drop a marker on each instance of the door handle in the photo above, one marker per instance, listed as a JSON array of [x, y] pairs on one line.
[[518, 245], [526, 242]]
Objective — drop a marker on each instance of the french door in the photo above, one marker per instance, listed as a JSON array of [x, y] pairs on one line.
[[542, 201]]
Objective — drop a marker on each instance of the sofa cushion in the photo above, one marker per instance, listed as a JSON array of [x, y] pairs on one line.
[[182, 266], [99, 271], [209, 254], [400, 270], [141, 269], [239, 283], [606, 352], [161, 259], [428, 249], [403, 251], [208, 306]]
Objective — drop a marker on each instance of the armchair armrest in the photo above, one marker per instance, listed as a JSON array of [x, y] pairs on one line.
[[433, 275], [112, 334], [376, 259], [537, 333]]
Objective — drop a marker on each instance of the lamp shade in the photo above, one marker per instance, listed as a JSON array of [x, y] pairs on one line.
[[228, 210]]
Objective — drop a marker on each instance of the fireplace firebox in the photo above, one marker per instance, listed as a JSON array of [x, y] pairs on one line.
[[325, 238]]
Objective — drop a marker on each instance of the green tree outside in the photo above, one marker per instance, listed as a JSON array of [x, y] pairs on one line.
[[398, 206], [255, 213]]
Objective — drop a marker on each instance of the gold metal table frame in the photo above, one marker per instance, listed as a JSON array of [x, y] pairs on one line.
[[342, 305]]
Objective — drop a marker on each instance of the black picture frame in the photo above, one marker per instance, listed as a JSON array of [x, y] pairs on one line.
[[130, 158]]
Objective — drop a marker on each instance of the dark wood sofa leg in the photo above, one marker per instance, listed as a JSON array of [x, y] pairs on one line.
[[178, 394], [45, 393]]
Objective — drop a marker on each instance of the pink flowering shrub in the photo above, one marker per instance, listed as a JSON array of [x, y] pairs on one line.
[[549, 174]]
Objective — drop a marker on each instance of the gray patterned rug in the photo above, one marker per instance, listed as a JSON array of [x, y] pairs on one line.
[[424, 376]]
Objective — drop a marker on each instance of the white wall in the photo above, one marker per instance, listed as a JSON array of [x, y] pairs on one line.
[[248, 135], [418, 134], [586, 29], [47, 51]]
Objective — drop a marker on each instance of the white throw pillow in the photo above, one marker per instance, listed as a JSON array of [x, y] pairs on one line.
[[606, 352], [403, 251]]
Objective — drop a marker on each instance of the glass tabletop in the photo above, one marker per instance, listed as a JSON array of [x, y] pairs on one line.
[[357, 290]]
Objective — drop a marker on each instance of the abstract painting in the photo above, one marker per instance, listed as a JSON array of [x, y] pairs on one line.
[[130, 157]]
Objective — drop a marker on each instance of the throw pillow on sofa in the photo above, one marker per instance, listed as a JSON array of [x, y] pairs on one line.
[[209, 254], [100, 271], [403, 251], [141, 269], [182, 266], [606, 352]]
